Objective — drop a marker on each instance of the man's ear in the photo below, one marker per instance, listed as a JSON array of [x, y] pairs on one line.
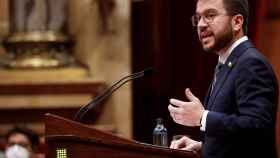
[[237, 22]]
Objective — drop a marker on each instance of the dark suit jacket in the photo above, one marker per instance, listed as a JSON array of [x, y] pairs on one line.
[[242, 105]]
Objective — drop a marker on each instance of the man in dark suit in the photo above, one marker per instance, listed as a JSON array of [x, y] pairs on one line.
[[239, 112]]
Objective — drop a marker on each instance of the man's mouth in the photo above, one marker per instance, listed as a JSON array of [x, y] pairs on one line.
[[205, 35]]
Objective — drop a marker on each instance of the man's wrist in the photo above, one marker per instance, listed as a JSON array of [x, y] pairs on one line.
[[200, 120], [203, 120]]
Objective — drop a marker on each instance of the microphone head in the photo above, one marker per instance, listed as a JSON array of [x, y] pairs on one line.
[[149, 71]]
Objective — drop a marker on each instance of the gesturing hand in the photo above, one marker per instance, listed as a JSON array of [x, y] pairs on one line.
[[185, 143], [186, 113]]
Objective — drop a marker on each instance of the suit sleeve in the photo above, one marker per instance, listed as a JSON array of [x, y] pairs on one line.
[[255, 92]]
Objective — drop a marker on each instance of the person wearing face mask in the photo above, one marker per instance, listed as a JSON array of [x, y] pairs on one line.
[[21, 143], [238, 115]]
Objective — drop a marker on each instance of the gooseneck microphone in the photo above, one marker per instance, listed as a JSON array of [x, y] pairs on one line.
[[108, 92]]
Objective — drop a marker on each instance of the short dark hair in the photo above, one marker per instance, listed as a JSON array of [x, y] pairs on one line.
[[234, 7], [30, 134]]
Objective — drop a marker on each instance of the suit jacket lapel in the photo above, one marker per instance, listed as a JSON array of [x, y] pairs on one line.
[[219, 84], [206, 100], [225, 71]]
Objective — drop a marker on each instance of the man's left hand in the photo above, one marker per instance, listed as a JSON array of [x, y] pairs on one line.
[[186, 113]]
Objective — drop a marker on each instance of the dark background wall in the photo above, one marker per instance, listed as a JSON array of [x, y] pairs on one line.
[[163, 38]]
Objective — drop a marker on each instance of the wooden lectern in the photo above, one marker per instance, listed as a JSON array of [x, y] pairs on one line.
[[69, 139]]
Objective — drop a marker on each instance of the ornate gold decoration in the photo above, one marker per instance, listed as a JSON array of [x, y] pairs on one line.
[[38, 50], [37, 36]]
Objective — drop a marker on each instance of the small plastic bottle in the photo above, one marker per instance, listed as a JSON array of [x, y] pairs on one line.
[[160, 136]]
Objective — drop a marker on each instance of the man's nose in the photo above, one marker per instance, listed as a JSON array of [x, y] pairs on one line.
[[201, 22]]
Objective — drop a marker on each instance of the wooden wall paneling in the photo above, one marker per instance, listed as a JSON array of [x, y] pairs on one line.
[[26, 103], [270, 47], [258, 10], [150, 27], [274, 8]]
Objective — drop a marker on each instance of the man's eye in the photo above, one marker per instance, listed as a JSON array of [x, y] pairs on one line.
[[210, 16], [197, 18]]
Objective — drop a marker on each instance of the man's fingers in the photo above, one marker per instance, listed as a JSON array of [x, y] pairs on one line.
[[176, 103], [190, 147], [173, 109], [189, 95], [181, 143], [177, 145], [172, 144]]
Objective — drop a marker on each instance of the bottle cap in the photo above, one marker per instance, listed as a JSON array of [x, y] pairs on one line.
[[159, 121]]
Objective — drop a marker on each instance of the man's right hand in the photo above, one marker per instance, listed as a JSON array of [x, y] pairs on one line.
[[186, 143]]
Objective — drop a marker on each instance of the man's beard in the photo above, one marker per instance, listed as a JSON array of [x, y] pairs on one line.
[[222, 40]]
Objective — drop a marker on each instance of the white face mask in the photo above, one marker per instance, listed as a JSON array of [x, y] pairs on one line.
[[16, 151]]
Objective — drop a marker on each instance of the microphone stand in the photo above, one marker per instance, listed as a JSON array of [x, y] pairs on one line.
[[108, 92]]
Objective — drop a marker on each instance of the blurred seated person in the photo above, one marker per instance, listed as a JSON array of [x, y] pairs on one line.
[[21, 142]]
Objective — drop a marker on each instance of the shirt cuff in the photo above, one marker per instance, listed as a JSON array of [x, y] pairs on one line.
[[203, 120]]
